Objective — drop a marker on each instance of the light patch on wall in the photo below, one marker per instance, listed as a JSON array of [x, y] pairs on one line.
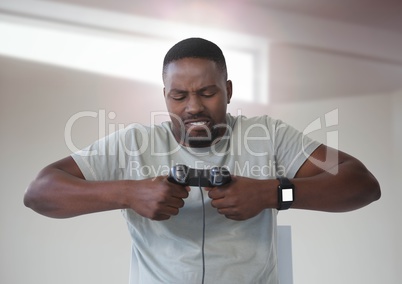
[[126, 57], [123, 48]]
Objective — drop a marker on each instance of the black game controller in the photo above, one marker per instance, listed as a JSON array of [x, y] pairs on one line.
[[215, 176]]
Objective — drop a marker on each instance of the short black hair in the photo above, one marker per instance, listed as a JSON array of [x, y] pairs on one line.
[[195, 48]]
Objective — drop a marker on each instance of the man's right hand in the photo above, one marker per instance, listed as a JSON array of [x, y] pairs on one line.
[[156, 198]]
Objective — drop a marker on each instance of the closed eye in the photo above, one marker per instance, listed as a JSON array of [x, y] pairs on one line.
[[207, 94], [178, 95], [208, 91]]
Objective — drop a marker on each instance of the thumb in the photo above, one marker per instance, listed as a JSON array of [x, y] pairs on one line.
[[207, 188]]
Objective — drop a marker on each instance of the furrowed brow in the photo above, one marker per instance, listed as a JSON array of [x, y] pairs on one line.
[[177, 91], [203, 89]]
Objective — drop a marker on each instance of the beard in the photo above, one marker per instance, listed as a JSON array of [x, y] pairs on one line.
[[203, 139]]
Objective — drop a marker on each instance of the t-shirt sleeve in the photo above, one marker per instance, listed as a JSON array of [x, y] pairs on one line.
[[100, 160], [292, 148]]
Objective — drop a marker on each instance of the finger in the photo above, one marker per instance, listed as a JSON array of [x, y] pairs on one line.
[[172, 211], [235, 217], [218, 203], [161, 217], [207, 188], [232, 214], [180, 192], [176, 202], [168, 211], [228, 212], [171, 201], [177, 190], [216, 193]]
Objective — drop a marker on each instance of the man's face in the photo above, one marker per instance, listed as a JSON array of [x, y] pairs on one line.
[[196, 94]]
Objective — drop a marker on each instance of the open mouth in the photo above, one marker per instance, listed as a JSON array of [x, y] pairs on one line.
[[197, 125]]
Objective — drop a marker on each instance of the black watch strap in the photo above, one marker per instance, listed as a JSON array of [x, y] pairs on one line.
[[285, 193]]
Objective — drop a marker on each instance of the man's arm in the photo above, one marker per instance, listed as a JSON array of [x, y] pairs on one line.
[[334, 181], [60, 191], [329, 180]]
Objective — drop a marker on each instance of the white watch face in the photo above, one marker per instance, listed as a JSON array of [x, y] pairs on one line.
[[287, 194]]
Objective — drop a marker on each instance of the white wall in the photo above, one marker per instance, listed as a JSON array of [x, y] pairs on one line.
[[37, 100]]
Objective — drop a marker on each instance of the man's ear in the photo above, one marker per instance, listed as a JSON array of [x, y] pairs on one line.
[[164, 94], [229, 90]]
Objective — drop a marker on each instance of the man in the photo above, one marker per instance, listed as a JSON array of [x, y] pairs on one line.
[[221, 234]]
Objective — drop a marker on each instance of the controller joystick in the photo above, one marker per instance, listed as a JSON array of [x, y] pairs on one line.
[[215, 176]]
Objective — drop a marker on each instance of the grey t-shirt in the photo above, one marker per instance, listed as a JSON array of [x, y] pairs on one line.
[[170, 251]]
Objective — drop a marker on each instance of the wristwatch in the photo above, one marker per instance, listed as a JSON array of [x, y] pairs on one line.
[[286, 193]]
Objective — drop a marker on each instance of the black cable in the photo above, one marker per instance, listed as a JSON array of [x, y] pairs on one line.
[[203, 233]]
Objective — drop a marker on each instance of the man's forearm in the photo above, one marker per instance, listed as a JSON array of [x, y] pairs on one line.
[[351, 188], [55, 193]]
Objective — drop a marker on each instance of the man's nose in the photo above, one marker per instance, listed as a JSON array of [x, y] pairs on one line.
[[194, 104]]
